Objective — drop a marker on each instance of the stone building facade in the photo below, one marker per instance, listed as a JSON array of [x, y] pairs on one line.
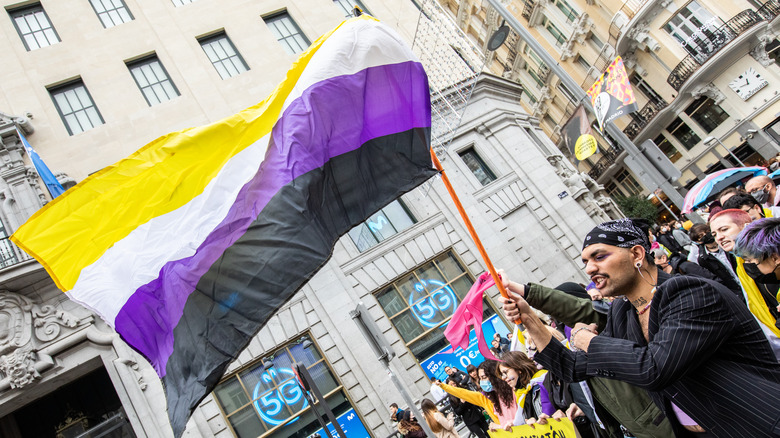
[[62, 369], [687, 61]]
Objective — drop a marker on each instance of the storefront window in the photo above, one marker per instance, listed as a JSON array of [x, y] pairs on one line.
[[266, 401], [421, 302]]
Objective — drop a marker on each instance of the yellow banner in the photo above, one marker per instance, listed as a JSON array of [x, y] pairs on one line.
[[553, 429]]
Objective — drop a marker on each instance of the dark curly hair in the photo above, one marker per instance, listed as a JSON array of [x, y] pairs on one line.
[[501, 391]]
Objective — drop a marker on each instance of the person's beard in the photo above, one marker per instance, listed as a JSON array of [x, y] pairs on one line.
[[620, 280]]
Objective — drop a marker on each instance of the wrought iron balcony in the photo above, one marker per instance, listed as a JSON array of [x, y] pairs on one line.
[[769, 10], [10, 254], [643, 117], [528, 8], [710, 42], [608, 158]]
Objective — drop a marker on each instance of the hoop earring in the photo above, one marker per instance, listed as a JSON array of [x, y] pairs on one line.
[[638, 266]]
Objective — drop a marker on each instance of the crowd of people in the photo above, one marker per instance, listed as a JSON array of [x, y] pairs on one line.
[[678, 334]]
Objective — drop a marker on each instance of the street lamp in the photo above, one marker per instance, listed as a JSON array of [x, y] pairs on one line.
[[711, 139]]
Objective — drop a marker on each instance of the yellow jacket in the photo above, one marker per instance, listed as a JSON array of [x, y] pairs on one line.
[[479, 399]]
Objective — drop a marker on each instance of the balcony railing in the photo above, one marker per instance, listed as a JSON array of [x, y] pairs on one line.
[[10, 254], [528, 8], [769, 10], [608, 158], [708, 43], [643, 117]]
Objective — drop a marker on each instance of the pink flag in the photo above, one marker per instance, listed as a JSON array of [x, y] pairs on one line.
[[469, 313]]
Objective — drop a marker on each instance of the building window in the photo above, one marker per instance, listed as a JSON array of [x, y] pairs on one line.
[[639, 83], [613, 190], [706, 113], [583, 62], [223, 55], [76, 107], [628, 182], [346, 6], [667, 148], [421, 302], [694, 27], [773, 50], [266, 395], [556, 33], [528, 96], [567, 10], [178, 3], [34, 27], [287, 33], [477, 166], [111, 12], [596, 41], [153, 80], [683, 133], [385, 223], [566, 92]]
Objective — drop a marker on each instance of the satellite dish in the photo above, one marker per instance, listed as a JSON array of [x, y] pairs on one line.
[[498, 37]]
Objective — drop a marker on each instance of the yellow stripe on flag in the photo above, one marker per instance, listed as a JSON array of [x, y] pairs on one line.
[[73, 231]]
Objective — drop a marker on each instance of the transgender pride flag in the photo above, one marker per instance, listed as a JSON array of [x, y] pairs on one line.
[[189, 245]]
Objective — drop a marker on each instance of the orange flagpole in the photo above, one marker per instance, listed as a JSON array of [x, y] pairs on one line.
[[470, 227]]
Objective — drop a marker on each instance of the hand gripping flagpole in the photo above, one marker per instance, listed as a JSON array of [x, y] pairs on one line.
[[473, 232]]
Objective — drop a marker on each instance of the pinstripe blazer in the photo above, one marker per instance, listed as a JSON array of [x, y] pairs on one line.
[[706, 354]]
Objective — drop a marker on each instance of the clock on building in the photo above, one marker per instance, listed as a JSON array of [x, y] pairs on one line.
[[748, 83]]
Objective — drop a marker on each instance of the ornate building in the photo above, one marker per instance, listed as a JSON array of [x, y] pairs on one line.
[[705, 75], [97, 83]]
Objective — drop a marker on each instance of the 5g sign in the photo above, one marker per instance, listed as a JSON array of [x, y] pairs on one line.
[[432, 310], [271, 403]]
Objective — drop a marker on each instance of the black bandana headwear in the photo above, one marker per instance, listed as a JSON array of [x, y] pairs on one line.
[[623, 233]]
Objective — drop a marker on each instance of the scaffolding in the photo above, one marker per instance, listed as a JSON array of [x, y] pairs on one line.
[[453, 64]]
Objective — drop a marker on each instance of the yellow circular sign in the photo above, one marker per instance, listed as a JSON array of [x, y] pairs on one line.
[[586, 146]]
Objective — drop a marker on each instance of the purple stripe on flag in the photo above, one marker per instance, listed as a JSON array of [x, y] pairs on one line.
[[331, 118]]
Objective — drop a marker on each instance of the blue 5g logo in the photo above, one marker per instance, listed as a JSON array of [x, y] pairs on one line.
[[437, 307], [270, 405]]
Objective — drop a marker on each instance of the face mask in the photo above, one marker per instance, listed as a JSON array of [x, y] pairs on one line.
[[760, 196], [486, 385], [708, 239], [751, 269]]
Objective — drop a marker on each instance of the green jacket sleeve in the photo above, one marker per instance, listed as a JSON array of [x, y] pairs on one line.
[[564, 307]]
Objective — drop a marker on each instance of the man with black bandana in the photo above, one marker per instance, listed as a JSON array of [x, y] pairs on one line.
[[688, 341], [617, 403]]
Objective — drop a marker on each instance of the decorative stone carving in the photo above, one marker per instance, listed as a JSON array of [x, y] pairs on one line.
[[641, 38], [32, 180], [20, 319], [15, 318], [48, 322], [581, 27], [463, 13], [65, 181], [759, 51], [19, 367], [709, 90]]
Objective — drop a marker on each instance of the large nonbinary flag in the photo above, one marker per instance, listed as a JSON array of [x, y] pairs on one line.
[[190, 244]]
